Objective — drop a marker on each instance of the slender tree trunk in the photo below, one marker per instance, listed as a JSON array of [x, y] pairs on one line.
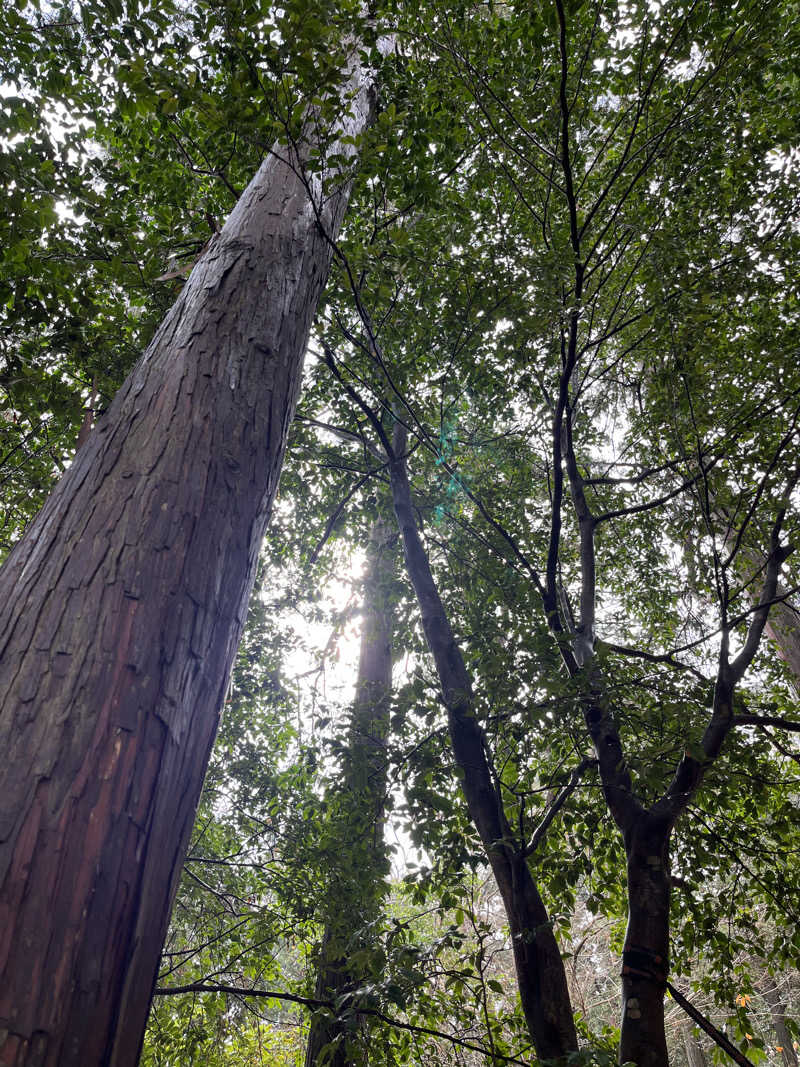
[[540, 969], [783, 627], [355, 900], [783, 624], [120, 613], [777, 1009], [645, 952], [694, 1050]]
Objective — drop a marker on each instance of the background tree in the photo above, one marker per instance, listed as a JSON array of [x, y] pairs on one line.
[[600, 323], [347, 954]]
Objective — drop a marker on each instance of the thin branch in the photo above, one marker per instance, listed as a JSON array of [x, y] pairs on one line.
[[337, 511], [557, 805], [705, 1024], [651, 657], [362, 404], [341, 432], [311, 1002], [633, 479], [648, 505], [767, 720]]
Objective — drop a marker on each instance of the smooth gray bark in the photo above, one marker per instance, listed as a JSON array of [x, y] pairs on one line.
[[120, 613], [783, 627], [783, 623]]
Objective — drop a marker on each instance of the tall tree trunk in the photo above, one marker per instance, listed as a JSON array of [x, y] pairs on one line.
[[540, 969], [645, 952], [355, 900], [120, 613]]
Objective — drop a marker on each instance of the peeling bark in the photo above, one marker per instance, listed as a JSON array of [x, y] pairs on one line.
[[120, 613]]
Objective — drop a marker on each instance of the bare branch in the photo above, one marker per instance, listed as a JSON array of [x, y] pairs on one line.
[[776, 721]]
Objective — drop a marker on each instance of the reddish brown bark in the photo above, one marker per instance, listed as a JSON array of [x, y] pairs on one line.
[[120, 613]]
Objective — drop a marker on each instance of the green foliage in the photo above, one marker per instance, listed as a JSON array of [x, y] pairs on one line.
[[128, 130]]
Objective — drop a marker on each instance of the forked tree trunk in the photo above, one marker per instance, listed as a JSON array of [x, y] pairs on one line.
[[354, 901], [120, 613], [541, 976]]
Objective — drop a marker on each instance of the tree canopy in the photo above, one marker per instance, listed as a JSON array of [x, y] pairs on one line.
[[560, 341]]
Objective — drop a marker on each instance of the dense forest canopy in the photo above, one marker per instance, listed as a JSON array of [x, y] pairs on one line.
[[548, 438]]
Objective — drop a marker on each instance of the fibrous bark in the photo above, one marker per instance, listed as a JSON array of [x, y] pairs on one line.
[[120, 613]]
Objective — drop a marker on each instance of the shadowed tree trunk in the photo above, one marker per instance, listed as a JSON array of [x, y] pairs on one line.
[[120, 613], [541, 976], [355, 899], [694, 1050], [645, 952], [784, 1039]]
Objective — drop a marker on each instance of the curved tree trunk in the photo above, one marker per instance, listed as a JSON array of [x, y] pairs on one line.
[[120, 613], [354, 902], [541, 976]]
